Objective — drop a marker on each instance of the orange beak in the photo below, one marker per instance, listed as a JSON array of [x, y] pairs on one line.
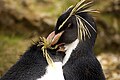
[[52, 38]]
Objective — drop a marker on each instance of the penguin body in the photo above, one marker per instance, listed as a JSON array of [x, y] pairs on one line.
[[33, 66], [30, 66], [82, 65]]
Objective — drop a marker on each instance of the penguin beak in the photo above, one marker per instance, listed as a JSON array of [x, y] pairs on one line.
[[53, 38]]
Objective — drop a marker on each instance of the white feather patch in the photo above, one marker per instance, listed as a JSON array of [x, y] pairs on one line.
[[53, 73], [69, 48]]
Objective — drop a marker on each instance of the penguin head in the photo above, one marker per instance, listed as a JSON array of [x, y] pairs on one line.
[[80, 25], [69, 28], [76, 23]]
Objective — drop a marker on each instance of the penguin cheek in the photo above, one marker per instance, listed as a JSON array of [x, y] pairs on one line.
[[68, 37]]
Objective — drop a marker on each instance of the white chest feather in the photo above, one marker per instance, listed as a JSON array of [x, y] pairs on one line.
[[69, 48], [56, 72], [53, 73]]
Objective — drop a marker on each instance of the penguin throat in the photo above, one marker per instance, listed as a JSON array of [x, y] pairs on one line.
[[69, 48]]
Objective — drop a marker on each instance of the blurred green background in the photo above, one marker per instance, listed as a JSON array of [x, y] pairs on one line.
[[23, 21]]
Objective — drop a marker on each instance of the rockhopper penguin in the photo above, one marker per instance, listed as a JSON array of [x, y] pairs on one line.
[[79, 37]]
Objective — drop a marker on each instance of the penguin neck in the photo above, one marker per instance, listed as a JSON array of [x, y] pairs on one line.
[[69, 48], [76, 49]]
